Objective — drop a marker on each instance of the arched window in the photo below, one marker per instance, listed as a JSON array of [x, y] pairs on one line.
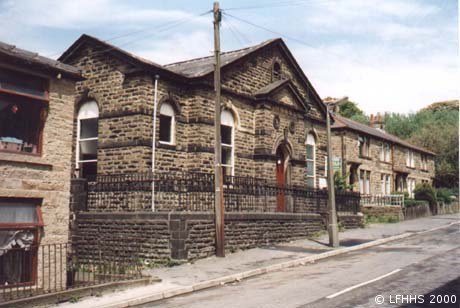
[[167, 123], [311, 160], [276, 73], [227, 129], [87, 133]]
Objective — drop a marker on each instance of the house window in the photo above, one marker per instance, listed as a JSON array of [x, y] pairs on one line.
[[87, 136], [410, 161], [20, 220], [364, 145], [276, 73], [311, 160], [227, 129], [424, 162], [365, 182], [411, 187], [385, 152], [23, 106], [385, 180], [167, 123]]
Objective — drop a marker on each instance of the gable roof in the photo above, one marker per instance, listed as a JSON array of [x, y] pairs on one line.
[[194, 68], [344, 123], [141, 63], [274, 87], [202, 66], [27, 57]]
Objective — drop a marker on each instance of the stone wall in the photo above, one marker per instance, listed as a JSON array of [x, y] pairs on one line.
[[188, 236], [351, 221], [383, 211], [125, 125], [345, 145]]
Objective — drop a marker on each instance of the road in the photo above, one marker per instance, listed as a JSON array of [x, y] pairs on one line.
[[423, 265]]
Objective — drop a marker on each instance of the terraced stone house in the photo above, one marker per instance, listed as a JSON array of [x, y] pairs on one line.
[[37, 97], [376, 162]]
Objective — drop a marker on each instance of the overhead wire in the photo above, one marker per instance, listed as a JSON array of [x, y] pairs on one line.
[[158, 29]]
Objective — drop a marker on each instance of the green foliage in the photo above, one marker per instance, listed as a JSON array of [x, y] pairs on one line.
[[350, 109], [380, 219], [425, 191], [445, 195], [412, 202], [340, 182], [341, 226], [435, 129]]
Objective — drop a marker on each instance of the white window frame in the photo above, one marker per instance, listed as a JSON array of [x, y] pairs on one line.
[[227, 119], [411, 186], [385, 152], [88, 110], [365, 182], [385, 182], [311, 141], [410, 161], [166, 109], [366, 142]]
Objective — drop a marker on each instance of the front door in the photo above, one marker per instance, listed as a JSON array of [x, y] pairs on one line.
[[280, 181]]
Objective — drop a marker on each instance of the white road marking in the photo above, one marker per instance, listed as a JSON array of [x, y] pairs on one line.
[[362, 284]]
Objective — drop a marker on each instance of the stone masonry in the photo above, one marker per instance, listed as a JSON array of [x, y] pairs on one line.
[[123, 88]]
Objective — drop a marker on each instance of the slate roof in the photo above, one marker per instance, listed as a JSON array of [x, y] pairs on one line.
[[341, 123], [28, 57], [271, 87], [202, 66]]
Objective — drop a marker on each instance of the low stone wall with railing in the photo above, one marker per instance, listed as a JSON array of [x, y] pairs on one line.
[[181, 191]]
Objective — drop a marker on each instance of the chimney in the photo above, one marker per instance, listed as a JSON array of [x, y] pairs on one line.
[[377, 122]]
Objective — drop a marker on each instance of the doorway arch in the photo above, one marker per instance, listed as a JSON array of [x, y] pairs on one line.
[[283, 175]]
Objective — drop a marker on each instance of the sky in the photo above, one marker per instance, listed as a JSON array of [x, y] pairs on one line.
[[392, 55]]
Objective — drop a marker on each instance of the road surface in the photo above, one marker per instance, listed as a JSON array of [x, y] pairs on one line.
[[424, 266]]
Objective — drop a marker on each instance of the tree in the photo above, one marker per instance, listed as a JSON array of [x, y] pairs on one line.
[[350, 109], [435, 129]]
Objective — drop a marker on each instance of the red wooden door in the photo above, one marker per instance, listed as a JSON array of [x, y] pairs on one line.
[[280, 181]]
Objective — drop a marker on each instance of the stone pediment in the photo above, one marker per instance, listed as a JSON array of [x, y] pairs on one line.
[[282, 92]]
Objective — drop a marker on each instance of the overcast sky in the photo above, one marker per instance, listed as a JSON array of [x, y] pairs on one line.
[[391, 55]]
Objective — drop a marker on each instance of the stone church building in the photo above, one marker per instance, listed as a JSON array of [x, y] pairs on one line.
[[273, 121]]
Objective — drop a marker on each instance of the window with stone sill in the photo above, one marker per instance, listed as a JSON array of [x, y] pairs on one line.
[[424, 163], [410, 161], [385, 152], [364, 146], [227, 132], [20, 220], [311, 160], [23, 109], [87, 139], [365, 182], [167, 124]]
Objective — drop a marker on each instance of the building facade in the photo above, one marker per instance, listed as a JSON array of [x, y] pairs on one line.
[[378, 163], [37, 97], [273, 121]]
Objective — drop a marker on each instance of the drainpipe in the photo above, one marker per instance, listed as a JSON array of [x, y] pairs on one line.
[[154, 132]]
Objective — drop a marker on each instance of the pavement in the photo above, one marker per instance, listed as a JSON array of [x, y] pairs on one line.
[[235, 267]]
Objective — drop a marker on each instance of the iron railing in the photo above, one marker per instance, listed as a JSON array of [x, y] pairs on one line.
[[49, 268], [381, 200], [185, 191]]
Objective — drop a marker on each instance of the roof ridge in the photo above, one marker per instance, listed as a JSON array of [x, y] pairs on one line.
[[222, 53], [401, 141]]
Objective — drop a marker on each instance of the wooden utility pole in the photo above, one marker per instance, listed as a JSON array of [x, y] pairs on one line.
[[219, 193], [332, 227]]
